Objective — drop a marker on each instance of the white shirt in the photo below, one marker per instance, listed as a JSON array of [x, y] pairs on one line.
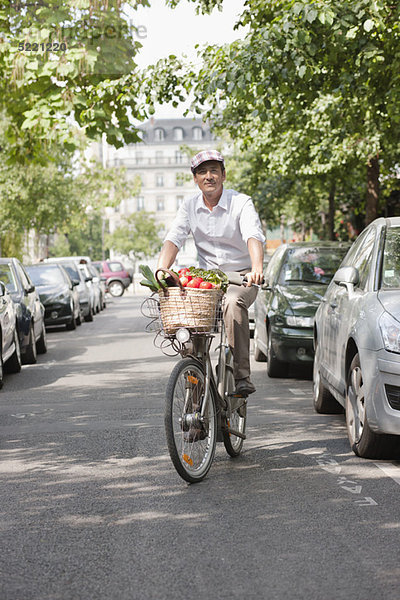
[[220, 235]]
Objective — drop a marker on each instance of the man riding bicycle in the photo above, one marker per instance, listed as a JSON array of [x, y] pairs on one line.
[[227, 233]]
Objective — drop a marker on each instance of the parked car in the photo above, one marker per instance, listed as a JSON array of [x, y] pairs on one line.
[[94, 289], [357, 342], [98, 282], [10, 354], [116, 277], [296, 279], [57, 292], [29, 309], [72, 268]]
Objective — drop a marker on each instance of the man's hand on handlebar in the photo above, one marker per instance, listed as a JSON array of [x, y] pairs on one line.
[[254, 278]]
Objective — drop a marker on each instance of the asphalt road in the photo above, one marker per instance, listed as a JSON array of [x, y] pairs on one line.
[[92, 508]]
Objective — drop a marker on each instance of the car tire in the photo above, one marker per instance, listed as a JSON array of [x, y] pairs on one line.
[[116, 288], [30, 355], [89, 316], [14, 363], [275, 367], [72, 324], [1, 365], [363, 441], [324, 402], [79, 319], [41, 344]]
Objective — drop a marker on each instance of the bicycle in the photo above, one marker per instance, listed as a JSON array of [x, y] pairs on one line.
[[201, 408]]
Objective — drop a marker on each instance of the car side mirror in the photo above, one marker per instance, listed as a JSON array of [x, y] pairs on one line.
[[88, 278], [266, 286], [30, 289], [2, 289], [75, 282], [348, 277]]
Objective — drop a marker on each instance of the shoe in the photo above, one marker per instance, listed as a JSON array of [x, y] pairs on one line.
[[194, 434], [244, 387]]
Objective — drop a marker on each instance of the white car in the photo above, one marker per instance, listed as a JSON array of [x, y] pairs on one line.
[[357, 342]]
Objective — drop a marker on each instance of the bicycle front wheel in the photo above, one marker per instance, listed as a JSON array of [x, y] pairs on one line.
[[236, 420], [191, 438]]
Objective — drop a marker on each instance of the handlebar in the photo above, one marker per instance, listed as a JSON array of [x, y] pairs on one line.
[[238, 279]]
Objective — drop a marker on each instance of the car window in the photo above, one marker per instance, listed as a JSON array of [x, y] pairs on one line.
[[72, 271], [24, 278], [44, 275], [8, 278], [361, 258], [391, 259], [273, 265], [310, 264], [115, 266]]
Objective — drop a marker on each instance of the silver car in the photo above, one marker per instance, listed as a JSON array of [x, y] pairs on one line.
[[357, 342]]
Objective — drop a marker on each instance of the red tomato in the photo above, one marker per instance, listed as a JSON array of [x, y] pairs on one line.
[[195, 282], [184, 280], [206, 285], [184, 272]]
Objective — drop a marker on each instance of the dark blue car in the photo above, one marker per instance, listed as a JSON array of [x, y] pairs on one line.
[[28, 307]]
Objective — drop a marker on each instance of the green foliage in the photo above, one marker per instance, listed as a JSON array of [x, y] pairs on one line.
[[92, 83], [310, 94], [138, 236]]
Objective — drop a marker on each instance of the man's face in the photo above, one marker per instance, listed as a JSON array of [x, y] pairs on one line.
[[210, 177]]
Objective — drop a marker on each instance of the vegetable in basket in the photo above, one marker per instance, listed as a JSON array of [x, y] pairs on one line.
[[164, 280]]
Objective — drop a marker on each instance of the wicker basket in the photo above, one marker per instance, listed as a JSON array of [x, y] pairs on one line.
[[192, 308]]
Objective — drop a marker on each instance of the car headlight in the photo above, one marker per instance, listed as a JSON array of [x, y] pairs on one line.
[[390, 329], [300, 321]]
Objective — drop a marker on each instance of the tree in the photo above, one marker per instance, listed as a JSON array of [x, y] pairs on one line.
[[311, 90], [66, 64], [137, 237]]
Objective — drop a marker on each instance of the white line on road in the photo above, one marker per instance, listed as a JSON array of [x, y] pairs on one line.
[[391, 470], [297, 392]]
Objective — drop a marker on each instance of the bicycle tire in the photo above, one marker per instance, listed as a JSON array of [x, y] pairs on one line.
[[192, 458], [233, 443]]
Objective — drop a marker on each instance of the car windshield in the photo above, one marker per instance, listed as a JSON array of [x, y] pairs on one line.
[[391, 259], [7, 277], [45, 275], [310, 264]]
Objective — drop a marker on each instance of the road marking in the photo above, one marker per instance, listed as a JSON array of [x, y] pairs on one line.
[[391, 470], [297, 392]]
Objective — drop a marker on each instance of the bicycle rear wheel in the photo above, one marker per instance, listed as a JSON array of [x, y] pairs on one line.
[[236, 420], [191, 441]]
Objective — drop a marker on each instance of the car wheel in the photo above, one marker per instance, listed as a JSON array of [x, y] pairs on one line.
[[13, 365], [363, 441], [324, 402], [275, 367], [1, 365], [79, 319], [89, 316], [72, 324], [41, 344], [30, 355], [116, 288]]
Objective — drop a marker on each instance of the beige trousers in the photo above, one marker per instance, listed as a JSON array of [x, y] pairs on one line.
[[237, 302]]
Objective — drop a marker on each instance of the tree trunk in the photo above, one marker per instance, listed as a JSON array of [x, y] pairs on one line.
[[371, 204], [331, 211]]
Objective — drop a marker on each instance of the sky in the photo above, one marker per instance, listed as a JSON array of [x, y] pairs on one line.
[[164, 31]]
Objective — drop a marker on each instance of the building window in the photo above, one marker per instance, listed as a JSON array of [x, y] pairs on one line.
[[179, 179], [139, 157], [159, 156], [178, 134], [178, 157], [159, 135], [179, 200], [140, 203], [159, 179], [160, 204], [197, 133]]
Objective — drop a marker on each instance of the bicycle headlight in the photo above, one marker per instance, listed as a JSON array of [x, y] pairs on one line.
[[390, 330], [182, 335]]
